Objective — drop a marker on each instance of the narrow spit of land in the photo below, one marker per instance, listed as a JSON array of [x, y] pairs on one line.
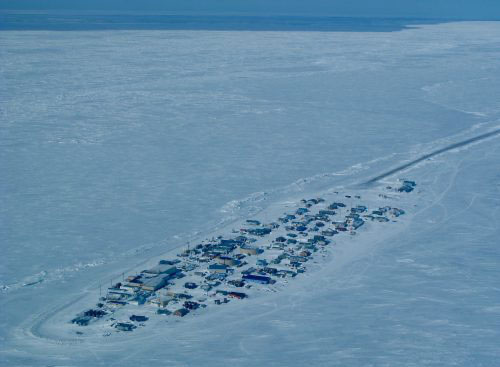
[[255, 258], [259, 257]]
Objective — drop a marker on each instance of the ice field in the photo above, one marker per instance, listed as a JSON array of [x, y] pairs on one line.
[[119, 146]]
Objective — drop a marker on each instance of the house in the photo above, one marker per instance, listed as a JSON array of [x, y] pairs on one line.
[[322, 218], [259, 231], [138, 318], [226, 260], [259, 279], [227, 246], [162, 269], [116, 304], [397, 212], [125, 326], [189, 267], [300, 259], [81, 320], [407, 186], [190, 305], [115, 296], [357, 222], [327, 212], [169, 262], [336, 206], [237, 295], [261, 262], [216, 276], [131, 278], [218, 268], [287, 218], [181, 312], [237, 283], [206, 287], [248, 250], [358, 209], [95, 313], [163, 312], [248, 271], [285, 273], [134, 281], [270, 270], [329, 232], [301, 211], [318, 238], [277, 245], [232, 242], [162, 301], [340, 226], [139, 299], [253, 222]]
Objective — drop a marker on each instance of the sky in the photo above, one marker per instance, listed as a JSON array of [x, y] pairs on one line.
[[464, 9]]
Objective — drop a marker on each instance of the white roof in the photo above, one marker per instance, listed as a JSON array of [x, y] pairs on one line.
[[162, 269]]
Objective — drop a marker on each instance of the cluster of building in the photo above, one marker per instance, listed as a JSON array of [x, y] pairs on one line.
[[219, 270]]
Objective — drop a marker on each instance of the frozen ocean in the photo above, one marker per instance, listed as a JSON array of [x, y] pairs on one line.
[[121, 143]]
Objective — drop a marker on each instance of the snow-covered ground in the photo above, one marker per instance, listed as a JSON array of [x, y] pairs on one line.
[[121, 146]]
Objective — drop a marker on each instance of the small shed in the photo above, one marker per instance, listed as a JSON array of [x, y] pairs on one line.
[[237, 295], [218, 268], [249, 250], [125, 326]]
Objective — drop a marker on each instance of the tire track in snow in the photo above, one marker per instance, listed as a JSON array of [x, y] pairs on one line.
[[434, 153]]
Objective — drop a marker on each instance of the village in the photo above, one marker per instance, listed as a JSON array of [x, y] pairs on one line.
[[220, 270]]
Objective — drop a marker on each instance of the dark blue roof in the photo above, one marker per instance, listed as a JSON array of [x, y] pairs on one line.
[[217, 266]]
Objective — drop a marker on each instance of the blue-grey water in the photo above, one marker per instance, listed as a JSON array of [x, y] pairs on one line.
[[78, 21]]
